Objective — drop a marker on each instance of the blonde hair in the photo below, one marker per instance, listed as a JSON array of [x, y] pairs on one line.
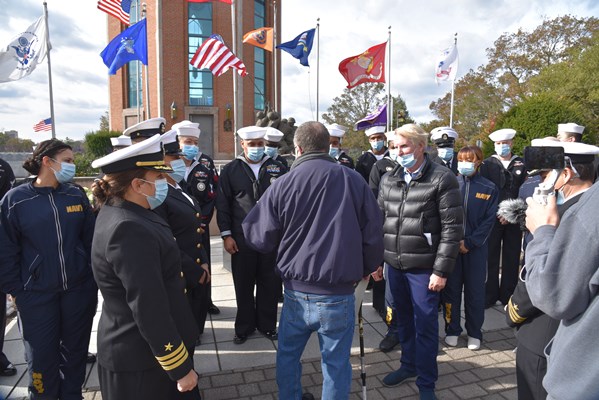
[[413, 133]]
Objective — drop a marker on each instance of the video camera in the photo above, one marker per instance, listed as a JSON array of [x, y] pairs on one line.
[[544, 159]]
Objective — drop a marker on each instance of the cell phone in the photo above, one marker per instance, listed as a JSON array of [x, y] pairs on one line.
[[543, 157]]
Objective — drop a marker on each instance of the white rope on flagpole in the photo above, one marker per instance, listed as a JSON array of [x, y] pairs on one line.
[[455, 43]]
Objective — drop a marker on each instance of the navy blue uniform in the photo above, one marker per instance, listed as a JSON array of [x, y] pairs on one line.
[[184, 216], [480, 198], [239, 191], [7, 180], [451, 164], [345, 160], [366, 161], [45, 245]]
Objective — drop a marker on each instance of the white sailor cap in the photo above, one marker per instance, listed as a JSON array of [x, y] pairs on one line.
[[570, 127], [187, 128], [147, 154], [579, 153], [170, 143], [251, 132], [337, 130], [120, 141], [273, 135], [146, 129], [502, 134], [373, 130]]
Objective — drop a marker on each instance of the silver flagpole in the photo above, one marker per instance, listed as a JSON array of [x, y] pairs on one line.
[[50, 72], [455, 43], [137, 72], [234, 73], [317, 66], [274, 57], [389, 100], [147, 107]]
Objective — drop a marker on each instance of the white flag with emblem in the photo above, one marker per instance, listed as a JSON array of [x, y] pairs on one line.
[[447, 65], [20, 57]]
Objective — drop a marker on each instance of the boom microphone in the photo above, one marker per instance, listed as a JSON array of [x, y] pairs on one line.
[[513, 211]]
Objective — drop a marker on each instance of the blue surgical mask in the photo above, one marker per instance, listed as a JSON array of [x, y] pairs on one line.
[[503, 149], [407, 160], [560, 199], [377, 145], [272, 152], [179, 169], [445, 153], [66, 172], [334, 151], [466, 168], [190, 151], [255, 153], [393, 154], [161, 190]]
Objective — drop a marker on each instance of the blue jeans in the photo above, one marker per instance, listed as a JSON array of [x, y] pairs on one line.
[[333, 318]]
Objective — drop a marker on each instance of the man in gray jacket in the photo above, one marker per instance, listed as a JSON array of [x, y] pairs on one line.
[[562, 279]]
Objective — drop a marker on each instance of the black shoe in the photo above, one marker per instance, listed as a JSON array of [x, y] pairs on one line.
[[272, 335], [9, 370], [388, 343], [91, 358], [240, 339], [307, 396], [213, 310]]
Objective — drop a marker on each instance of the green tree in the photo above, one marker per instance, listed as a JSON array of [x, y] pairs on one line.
[[104, 122], [16, 145], [97, 144]]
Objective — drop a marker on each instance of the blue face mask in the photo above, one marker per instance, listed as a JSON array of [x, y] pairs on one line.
[[503, 149], [393, 154], [178, 167], [190, 151], [445, 153], [334, 151], [255, 153], [377, 145], [272, 152], [159, 194], [66, 172], [466, 168], [407, 160]]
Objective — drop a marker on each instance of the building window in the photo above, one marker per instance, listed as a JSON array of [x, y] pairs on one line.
[[199, 25], [133, 70], [259, 58]]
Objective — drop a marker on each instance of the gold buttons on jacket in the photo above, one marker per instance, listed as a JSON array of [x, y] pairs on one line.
[[199, 245], [181, 274], [198, 215], [199, 230], [198, 261]]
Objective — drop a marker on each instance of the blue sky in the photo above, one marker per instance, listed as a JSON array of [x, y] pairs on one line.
[[420, 30]]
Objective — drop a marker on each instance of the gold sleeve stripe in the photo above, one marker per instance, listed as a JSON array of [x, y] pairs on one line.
[[176, 362], [514, 316], [168, 357]]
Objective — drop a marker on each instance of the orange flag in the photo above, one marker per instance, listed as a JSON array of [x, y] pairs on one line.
[[261, 37]]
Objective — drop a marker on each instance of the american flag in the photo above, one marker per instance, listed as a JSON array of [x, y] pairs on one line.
[[43, 125], [117, 8], [214, 55]]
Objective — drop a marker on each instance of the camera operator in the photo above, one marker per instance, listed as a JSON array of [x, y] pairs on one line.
[[562, 280]]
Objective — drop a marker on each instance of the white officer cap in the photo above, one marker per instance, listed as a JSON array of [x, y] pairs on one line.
[[337, 130], [170, 143], [146, 129], [273, 135], [443, 133], [147, 154], [579, 153], [373, 130], [187, 128], [251, 132], [502, 134], [120, 141], [570, 127]]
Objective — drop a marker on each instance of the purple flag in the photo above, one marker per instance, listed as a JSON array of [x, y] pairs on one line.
[[377, 118]]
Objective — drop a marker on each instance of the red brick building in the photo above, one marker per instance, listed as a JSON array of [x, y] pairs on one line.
[[177, 90]]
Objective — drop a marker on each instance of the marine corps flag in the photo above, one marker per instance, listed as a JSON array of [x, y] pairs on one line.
[[366, 67], [261, 37]]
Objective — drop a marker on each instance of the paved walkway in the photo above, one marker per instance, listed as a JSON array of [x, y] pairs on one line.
[[230, 371]]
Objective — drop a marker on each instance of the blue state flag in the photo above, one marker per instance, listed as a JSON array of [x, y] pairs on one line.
[[300, 47], [130, 45]]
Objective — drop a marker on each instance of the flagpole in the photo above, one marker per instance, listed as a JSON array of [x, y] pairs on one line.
[[389, 101], [274, 57], [148, 112], [317, 65], [235, 83], [50, 72], [455, 43], [137, 71]]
